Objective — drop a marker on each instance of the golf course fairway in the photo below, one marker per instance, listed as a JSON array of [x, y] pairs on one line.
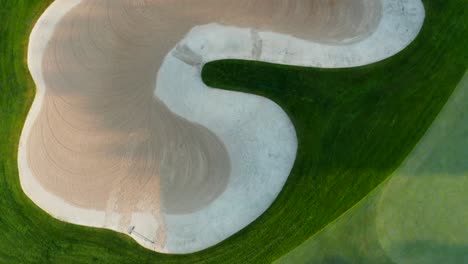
[[418, 215], [360, 134]]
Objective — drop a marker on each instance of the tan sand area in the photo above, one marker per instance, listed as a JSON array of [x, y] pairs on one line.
[[103, 141]]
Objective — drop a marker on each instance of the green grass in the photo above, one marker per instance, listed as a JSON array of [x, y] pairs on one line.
[[355, 126], [419, 215]]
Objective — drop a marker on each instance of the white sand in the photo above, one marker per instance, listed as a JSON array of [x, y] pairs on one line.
[[97, 150]]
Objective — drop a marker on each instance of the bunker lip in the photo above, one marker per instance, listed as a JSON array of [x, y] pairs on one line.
[[220, 149]]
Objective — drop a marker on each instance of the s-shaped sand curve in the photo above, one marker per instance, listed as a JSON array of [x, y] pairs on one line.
[[186, 165]]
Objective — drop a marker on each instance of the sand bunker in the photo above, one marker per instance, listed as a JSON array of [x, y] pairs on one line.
[[124, 135]]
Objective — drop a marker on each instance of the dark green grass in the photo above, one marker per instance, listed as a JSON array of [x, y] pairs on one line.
[[354, 126]]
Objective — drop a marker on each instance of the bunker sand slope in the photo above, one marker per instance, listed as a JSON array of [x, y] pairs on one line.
[[102, 147]]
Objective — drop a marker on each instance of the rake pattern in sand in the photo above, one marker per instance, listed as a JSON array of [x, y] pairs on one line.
[[124, 133]]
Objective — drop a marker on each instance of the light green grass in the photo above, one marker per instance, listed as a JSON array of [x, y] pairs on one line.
[[422, 215], [419, 216], [355, 126]]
